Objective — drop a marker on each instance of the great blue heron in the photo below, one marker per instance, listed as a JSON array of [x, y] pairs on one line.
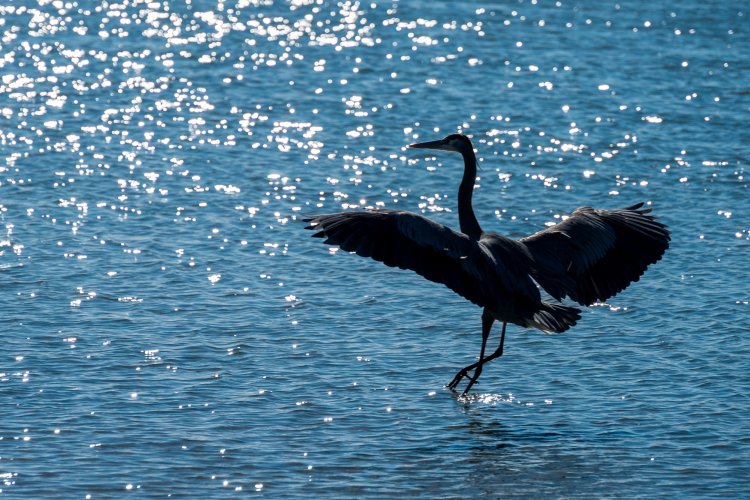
[[588, 257]]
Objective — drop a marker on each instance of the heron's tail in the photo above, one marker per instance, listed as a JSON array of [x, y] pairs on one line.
[[555, 317]]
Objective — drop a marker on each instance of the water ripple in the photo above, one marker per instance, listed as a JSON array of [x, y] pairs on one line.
[[172, 330]]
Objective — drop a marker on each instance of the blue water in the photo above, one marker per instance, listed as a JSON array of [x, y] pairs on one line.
[[169, 328]]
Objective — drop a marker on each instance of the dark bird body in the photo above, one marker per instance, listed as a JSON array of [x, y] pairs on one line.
[[588, 257]]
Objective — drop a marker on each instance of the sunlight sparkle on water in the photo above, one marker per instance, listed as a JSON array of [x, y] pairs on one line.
[[158, 158]]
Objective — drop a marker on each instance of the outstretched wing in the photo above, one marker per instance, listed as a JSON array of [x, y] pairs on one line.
[[409, 241], [594, 254]]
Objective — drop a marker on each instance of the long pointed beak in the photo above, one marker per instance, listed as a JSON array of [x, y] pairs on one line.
[[439, 144]]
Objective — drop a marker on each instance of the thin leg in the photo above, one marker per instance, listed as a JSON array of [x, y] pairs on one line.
[[498, 352], [482, 359], [487, 321], [461, 374]]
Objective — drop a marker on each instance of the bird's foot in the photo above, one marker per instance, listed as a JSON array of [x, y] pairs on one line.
[[459, 377], [472, 381]]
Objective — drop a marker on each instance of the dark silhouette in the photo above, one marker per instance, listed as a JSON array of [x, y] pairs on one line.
[[588, 257]]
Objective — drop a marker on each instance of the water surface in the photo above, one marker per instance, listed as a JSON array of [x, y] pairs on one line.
[[169, 328]]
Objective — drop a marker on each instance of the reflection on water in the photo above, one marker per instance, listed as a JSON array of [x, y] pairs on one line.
[[170, 329]]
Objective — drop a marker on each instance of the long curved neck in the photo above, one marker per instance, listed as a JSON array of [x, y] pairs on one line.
[[466, 218]]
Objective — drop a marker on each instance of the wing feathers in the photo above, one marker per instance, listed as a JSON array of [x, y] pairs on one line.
[[410, 241], [594, 254], [590, 256]]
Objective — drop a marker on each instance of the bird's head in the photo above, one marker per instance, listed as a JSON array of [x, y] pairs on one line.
[[454, 142]]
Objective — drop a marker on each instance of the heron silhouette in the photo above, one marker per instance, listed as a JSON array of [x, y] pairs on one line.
[[588, 257]]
